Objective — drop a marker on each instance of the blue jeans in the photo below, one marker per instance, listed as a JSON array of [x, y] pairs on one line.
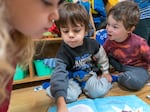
[[132, 78]]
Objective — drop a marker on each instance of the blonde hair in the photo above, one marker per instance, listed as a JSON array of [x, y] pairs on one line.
[[14, 47]]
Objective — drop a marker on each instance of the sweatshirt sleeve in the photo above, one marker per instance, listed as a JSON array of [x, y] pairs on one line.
[[102, 59], [59, 80]]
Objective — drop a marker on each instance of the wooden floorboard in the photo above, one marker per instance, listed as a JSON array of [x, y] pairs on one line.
[[27, 100]]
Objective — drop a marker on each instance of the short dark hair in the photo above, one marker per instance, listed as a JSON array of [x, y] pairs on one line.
[[127, 12], [61, 1], [73, 13]]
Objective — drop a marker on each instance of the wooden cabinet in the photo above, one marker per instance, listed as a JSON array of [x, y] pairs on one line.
[[45, 48]]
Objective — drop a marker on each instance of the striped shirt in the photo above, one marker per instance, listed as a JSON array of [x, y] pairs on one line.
[[144, 6]]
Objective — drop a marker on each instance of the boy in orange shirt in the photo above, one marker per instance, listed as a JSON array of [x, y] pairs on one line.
[[128, 53]]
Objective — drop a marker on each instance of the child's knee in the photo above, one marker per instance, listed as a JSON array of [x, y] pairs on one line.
[[73, 94], [71, 97], [134, 79], [73, 91], [97, 88], [131, 84]]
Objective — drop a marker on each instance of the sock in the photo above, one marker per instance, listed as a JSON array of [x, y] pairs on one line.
[[45, 85], [114, 78]]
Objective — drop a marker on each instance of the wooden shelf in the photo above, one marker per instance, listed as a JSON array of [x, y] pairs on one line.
[[48, 39], [29, 79], [41, 53]]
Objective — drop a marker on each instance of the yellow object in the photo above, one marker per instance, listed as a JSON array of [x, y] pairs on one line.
[[113, 2], [92, 7], [110, 4]]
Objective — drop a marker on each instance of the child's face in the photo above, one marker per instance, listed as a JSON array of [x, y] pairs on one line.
[[73, 36], [116, 30], [32, 17]]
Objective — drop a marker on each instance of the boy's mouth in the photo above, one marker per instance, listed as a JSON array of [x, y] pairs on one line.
[[109, 35]]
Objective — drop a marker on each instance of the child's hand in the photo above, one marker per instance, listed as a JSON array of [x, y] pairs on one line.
[[107, 76], [63, 109], [61, 105]]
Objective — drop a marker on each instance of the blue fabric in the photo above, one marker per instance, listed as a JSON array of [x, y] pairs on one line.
[[85, 4], [50, 62], [101, 36], [80, 75], [142, 3], [144, 6], [100, 8], [114, 78], [45, 85], [98, 19]]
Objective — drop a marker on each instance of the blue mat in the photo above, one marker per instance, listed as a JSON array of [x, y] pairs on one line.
[[130, 103]]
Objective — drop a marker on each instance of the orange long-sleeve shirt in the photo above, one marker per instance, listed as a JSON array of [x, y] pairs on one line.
[[134, 51]]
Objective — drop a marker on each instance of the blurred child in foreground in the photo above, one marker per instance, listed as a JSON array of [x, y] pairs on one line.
[[31, 18]]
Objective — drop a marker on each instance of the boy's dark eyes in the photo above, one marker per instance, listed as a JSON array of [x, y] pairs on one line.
[[115, 26], [66, 31], [108, 24], [77, 30], [47, 2]]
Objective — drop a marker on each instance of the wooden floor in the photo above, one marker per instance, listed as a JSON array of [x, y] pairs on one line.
[[27, 100]]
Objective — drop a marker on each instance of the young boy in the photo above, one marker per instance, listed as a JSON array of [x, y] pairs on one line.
[[76, 61], [128, 53]]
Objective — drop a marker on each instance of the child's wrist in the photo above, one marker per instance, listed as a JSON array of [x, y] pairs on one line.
[[105, 72], [61, 101]]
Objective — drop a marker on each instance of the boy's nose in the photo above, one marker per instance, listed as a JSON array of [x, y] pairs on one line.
[[108, 29], [71, 34]]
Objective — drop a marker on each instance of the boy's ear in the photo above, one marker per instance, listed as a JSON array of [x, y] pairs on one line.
[[131, 29]]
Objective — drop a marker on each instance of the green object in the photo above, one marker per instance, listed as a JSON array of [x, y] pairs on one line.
[[20, 73], [47, 34], [42, 69], [99, 66], [69, 0]]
